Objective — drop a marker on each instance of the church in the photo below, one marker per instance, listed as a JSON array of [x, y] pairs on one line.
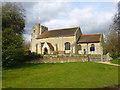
[[64, 41]]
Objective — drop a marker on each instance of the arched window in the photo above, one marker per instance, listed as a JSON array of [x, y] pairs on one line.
[[79, 47], [34, 31], [67, 46], [84, 51], [92, 48], [92, 45]]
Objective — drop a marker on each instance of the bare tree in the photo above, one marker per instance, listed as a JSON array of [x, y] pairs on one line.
[[112, 38], [26, 45]]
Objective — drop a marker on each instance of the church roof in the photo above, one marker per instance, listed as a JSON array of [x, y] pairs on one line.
[[58, 33], [50, 45], [89, 38]]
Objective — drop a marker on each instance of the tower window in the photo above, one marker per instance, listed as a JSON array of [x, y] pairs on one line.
[[34, 31]]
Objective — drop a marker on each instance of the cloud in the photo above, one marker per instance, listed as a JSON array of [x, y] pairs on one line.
[[44, 10], [90, 20], [56, 15]]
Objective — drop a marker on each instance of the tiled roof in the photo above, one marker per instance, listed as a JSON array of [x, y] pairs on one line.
[[50, 45], [58, 33], [89, 38]]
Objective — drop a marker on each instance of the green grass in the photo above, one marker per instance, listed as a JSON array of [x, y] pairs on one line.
[[115, 61], [61, 75]]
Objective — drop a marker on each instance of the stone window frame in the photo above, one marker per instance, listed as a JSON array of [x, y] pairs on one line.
[[33, 31], [79, 47], [92, 46], [67, 46]]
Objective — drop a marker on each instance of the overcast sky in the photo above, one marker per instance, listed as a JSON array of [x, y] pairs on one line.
[[91, 17]]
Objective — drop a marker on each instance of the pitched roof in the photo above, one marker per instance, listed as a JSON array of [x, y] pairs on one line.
[[89, 38], [58, 33], [50, 45]]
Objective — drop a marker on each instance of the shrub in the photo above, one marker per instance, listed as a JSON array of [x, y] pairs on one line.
[[115, 55], [55, 52], [115, 61], [12, 48], [12, 56], [31, 55]]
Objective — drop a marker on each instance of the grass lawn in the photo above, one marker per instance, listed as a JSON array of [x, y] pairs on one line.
[[61, 75], [115, 61]]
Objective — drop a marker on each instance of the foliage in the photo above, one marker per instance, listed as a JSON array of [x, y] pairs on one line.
[[61, 75], [112, 37], [115, 61], [67, 53], [0, 16], [26, 45], [13, 17], [111, 42], [30, 56], [0, 47], [13, 23], [116, 20], [94, 55], [0, 39], [115, 55], [55, 52], [12, 48]]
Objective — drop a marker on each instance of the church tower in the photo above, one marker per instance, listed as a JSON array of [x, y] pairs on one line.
[[38, 30]]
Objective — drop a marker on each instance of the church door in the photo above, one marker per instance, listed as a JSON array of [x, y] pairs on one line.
[[84, 51], [45, 51]]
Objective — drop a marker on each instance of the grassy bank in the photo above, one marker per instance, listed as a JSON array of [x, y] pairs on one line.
[[115, 61], [61, 75]]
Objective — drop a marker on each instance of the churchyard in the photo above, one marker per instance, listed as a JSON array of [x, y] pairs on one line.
[[61, 75], [22, 64]]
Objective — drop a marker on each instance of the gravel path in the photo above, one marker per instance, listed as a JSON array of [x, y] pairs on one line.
[[109, 63]]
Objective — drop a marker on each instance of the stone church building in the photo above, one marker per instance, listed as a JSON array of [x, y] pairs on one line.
[[66, 40]]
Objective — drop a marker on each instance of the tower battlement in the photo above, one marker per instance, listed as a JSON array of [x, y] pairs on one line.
[[38, 30]]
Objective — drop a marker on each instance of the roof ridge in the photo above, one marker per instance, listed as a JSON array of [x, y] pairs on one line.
[[59, 32], [48, 42], [90, 34], [62, 29]]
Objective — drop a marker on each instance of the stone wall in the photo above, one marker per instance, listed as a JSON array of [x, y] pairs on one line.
[[60, 59], [69, 58]]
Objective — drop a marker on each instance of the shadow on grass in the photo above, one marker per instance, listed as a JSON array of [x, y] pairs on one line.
[[114, 87], [26, 65], [20, 65]]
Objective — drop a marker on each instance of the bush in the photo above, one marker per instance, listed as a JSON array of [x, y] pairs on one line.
[[12, 48], [30, 56], [115, 61], [12, 56], [115, 55], [55, 52]]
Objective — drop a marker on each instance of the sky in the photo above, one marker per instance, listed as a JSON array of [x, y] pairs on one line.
[[91, 17]]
